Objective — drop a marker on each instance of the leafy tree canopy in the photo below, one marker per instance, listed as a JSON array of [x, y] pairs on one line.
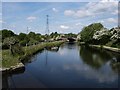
[[88, 31], [7, 33]]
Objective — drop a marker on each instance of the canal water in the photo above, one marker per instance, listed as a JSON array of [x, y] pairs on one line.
[[72, 66]]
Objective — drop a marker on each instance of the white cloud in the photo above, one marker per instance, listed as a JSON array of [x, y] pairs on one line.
[[69, 12], [31, 18], [112, 20], [64, 27], [115, 12], [79, 13], [1, 21], [93, 9], [82, 13], [109, 21], [78, 24], [103, 6], [54, 9], [101, 21]]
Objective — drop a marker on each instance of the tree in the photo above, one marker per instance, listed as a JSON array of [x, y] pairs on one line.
[[7, 33], [115, 38], [13, 45], [88, 32], [54, 35], [21, 36], [38, 37], [102, 37], [23, 39], [32, 42], [34, 38], [31, 35]]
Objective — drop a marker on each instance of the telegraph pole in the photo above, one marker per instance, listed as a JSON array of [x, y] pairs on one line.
[[47, 37], [47, 28]]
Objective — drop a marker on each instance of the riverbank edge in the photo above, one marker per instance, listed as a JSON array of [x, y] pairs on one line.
[[117, 50], [20, 65]]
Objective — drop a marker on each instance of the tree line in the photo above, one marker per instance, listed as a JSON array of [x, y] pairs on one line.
[[10, 38], [97, 34]]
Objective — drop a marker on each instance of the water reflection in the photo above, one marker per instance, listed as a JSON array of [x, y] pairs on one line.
[[88, 74], [7, 78], [5, 81], [115, 66], [97, 58], [71, 45], [95, 66], [72, 66], [30, 59]]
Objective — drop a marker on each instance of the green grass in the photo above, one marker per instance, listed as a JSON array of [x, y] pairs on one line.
[[8, 60]]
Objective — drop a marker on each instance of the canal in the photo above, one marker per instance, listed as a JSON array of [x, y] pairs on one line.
[[71, 66]]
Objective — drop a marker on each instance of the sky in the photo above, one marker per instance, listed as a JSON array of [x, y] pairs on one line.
[[64, 17]]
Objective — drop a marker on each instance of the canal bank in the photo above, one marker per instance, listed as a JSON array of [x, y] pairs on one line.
[[113, 49], [117, 50], [13, 63]]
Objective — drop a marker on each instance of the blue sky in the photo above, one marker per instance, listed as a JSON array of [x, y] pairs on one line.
[[64, 17]]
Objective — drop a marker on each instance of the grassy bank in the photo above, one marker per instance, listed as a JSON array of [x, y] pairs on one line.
[[8, 60]]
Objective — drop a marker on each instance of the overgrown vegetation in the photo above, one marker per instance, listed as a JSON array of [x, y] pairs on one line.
[[97, 34], [9, 60], [19, 47]]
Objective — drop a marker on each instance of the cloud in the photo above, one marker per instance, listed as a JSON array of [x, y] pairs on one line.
[[102, 6], [109, 21], [93, 9], [112, 20], [101, 21], [78, 24], [54, 9], [79, 13], [1, 21], [82, 13], [115, 12], [69, 12], [64, 27], [31, 18], [90, 73]]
